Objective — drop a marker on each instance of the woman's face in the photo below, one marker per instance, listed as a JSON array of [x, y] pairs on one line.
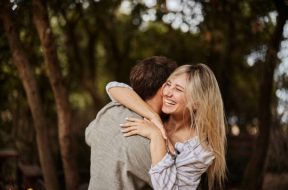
[[174, 100]]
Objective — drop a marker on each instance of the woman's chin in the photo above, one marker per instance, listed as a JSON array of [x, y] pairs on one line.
[[167, 111]]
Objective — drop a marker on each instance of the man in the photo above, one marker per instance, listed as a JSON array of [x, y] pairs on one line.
[[118, 162]]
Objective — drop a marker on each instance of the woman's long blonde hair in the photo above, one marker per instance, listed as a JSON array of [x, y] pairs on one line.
[[205, 106]]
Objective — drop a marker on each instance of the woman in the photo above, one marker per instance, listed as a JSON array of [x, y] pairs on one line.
[[195, 127]]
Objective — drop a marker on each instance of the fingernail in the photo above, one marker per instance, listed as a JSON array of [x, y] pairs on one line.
[[121, 124]]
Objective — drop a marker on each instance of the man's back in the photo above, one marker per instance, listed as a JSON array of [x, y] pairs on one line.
[[117, 162]]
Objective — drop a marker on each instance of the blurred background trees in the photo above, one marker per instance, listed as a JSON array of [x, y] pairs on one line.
[[71, 48]]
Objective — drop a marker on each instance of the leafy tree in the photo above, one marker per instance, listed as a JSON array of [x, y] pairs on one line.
[[27, 76]]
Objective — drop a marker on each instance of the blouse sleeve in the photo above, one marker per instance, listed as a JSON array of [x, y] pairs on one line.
[[115, 84], [185, 171], [163, 174]]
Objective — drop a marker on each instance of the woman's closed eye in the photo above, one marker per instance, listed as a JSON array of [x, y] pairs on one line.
[[179, 88]]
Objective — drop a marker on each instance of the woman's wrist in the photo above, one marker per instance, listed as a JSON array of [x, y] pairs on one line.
[[159, 124], [157, 135], [154, 116]]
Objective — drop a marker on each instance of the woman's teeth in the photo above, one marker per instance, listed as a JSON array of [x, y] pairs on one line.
[[169, 102]]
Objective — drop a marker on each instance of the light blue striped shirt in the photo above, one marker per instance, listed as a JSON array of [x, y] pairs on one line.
[[180, 172], [185, 170]]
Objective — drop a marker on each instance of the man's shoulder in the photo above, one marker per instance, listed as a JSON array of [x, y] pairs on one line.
[[110, 117], [115, 110]]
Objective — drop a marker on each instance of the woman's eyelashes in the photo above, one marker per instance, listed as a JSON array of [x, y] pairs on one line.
[[179, 89], [175, 86]]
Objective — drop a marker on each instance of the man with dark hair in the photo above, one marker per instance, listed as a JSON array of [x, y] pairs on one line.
[[148, 75], [118, 162]]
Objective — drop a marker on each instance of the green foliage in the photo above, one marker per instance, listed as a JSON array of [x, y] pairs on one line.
[[97, 43]]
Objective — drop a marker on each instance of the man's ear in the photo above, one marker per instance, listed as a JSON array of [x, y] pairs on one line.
[[159, 92], [161, 89]]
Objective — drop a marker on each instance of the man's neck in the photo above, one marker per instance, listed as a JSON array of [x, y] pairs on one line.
[[154, 104]]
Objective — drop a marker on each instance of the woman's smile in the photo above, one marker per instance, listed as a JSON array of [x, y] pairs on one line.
[[174, 95], [169, 102]]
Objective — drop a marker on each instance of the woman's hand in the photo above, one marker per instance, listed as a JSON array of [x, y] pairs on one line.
[[149, 130], [141, 127], [158, 123]]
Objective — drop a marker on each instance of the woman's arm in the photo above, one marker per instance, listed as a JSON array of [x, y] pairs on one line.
[[157, 149], [130, 99], [167, 171]]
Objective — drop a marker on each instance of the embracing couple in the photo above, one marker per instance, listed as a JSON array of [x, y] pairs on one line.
[[163, 132]]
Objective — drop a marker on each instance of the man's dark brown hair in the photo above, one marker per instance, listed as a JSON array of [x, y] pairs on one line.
[[148, 75]]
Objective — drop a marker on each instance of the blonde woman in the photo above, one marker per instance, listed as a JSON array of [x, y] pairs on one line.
[[195, 128]]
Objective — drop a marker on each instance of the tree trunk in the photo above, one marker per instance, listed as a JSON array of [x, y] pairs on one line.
[[85, 74], [40, 17], [255, 170], [89, 78], [28, 79]]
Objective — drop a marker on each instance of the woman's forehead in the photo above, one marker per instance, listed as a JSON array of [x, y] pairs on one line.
[[179, 78]]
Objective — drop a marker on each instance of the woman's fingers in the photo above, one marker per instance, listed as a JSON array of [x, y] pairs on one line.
[[135, 126], [128, 124], [129, 131], [132, 122], [133, 119], [170, 147]]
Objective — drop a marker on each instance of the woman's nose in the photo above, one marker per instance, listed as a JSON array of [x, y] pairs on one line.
[[168, 92]]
